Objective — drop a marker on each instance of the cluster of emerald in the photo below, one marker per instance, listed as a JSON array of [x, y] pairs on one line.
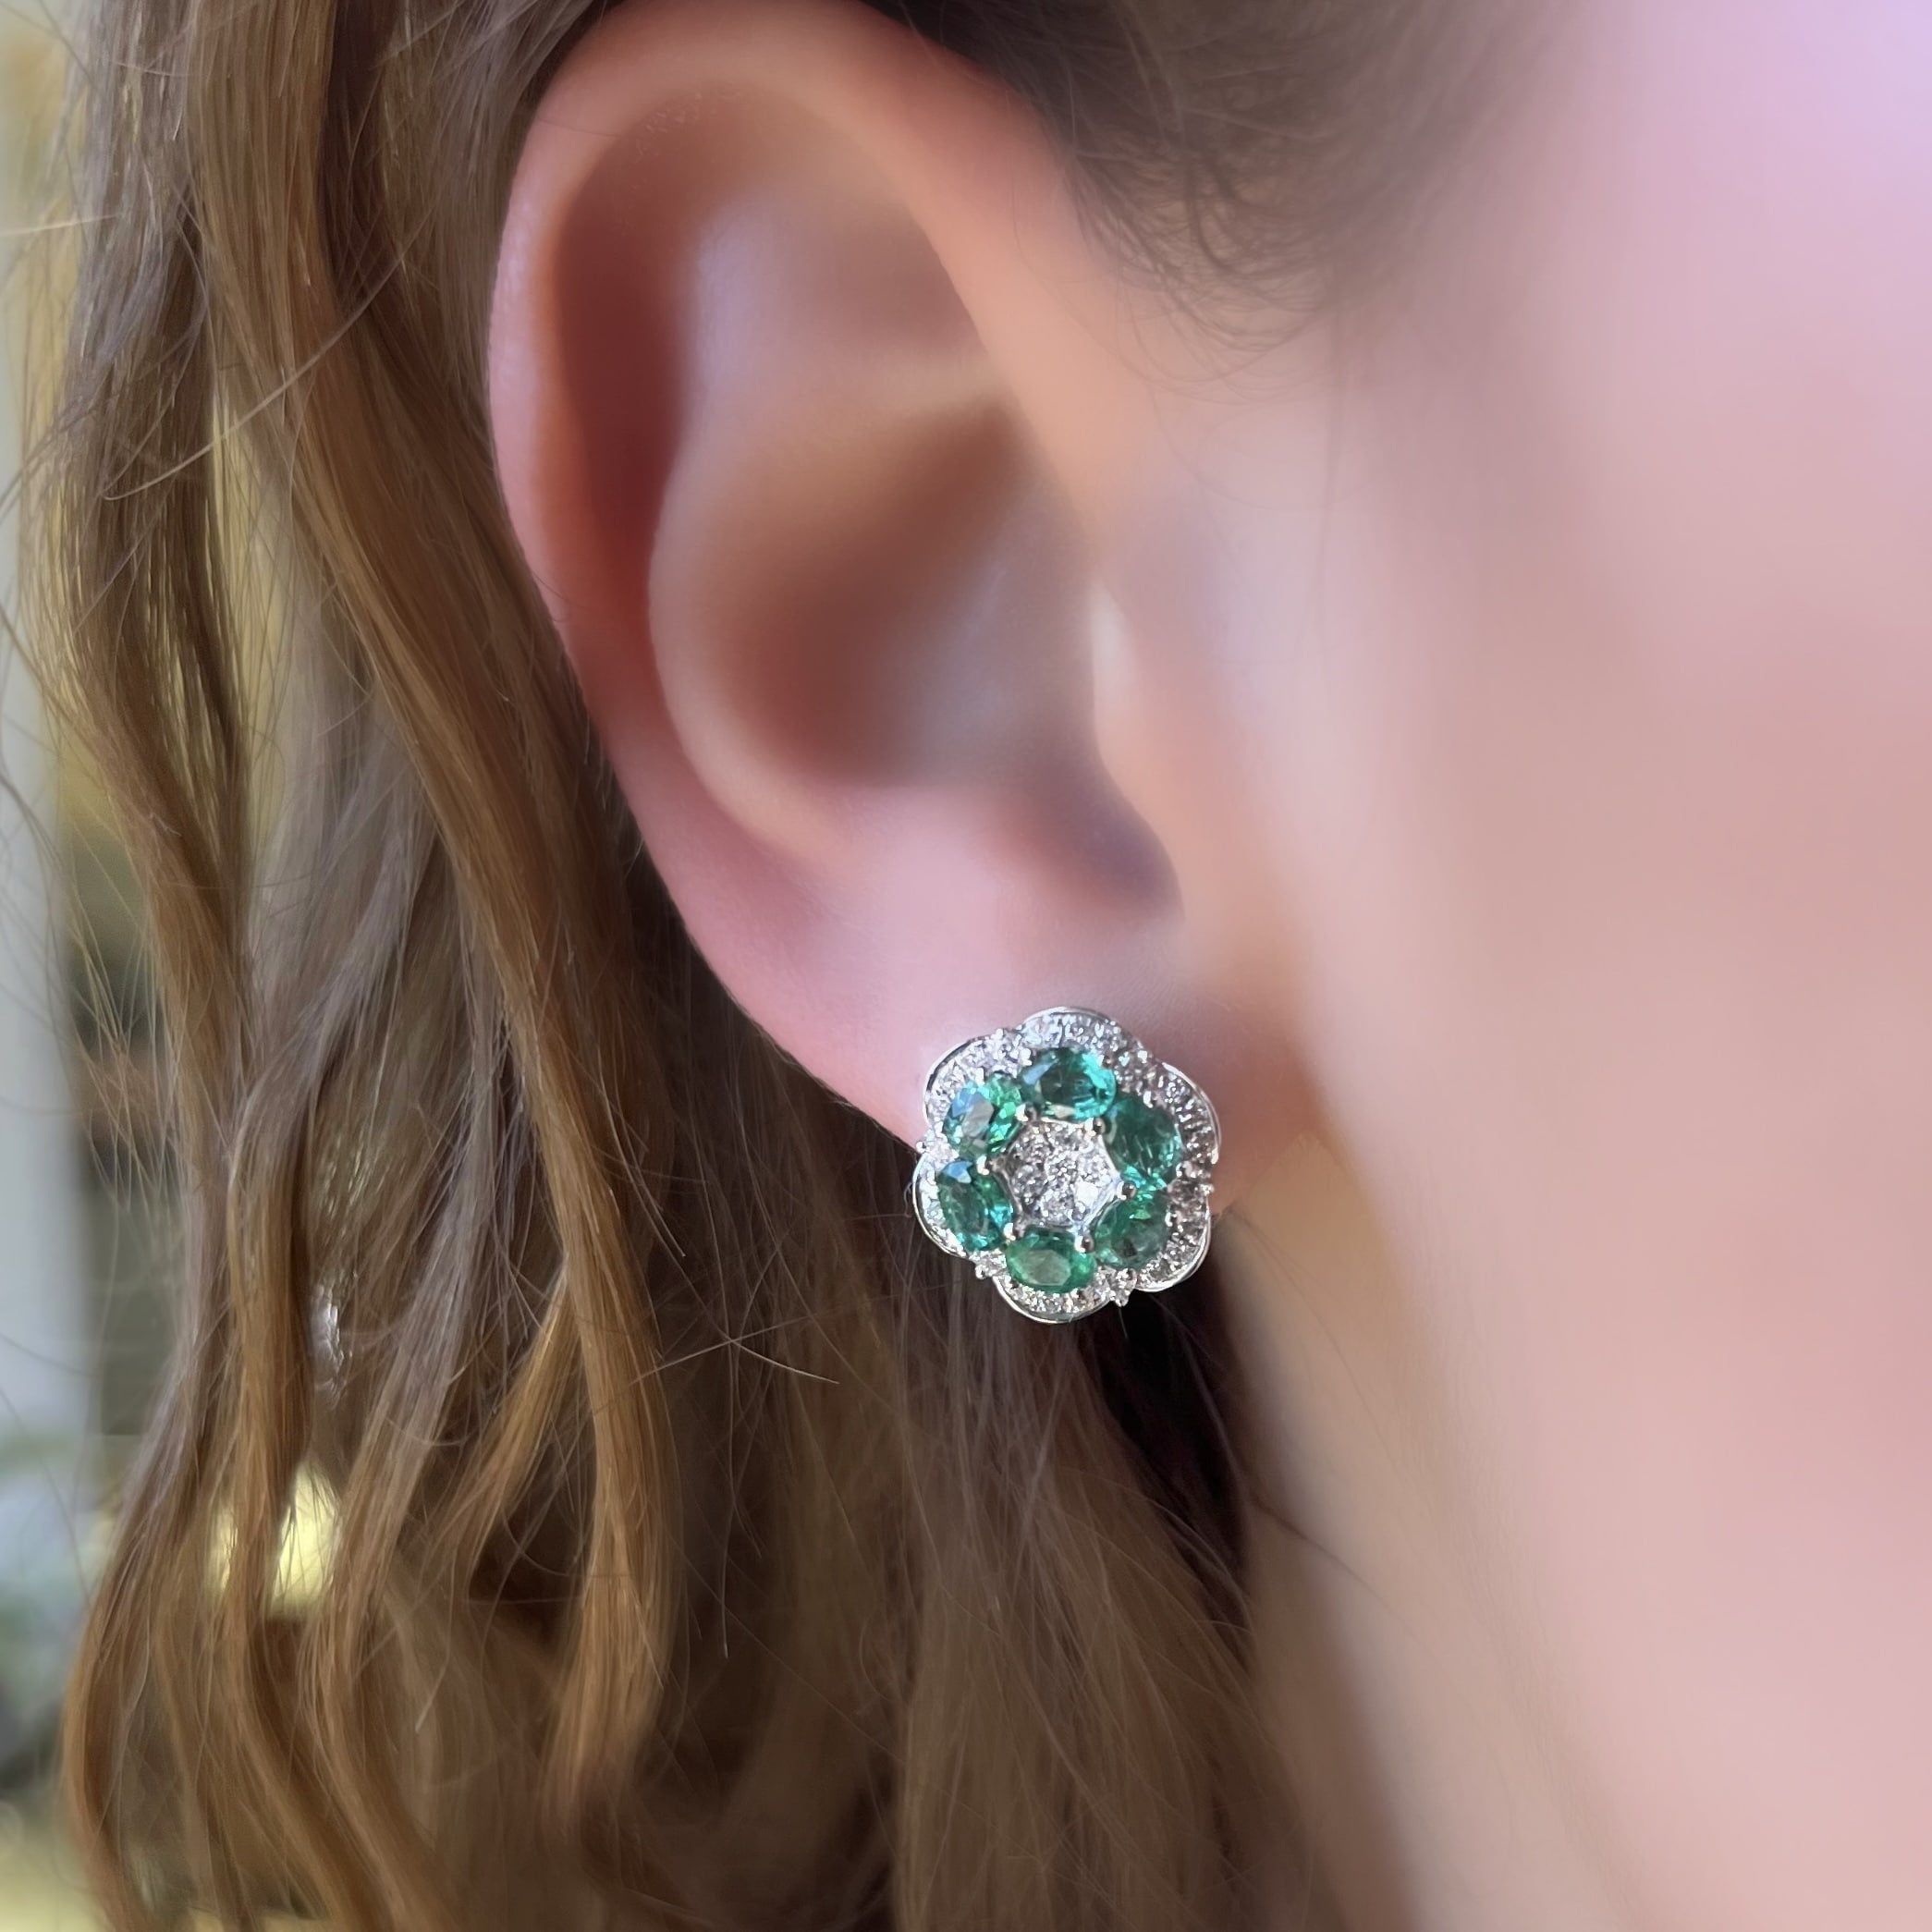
[[1067, 1163]]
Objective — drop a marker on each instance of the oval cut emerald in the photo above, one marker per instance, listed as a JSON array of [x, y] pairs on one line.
[[1144, 1141], [1068, 1083], [1049, 1262], [975, 1206], [1132, 1231], [984, 1115]]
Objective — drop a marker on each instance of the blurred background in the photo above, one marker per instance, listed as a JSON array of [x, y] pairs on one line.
[[83, 1261]]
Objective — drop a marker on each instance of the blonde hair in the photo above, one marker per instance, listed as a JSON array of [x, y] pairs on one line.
[[707, 1551]]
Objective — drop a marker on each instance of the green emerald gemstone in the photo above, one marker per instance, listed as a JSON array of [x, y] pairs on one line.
[[1067, 1084], [975, 1206], [1132, 1231], [1144, 1141], [1045, 1259], [985, 1115]]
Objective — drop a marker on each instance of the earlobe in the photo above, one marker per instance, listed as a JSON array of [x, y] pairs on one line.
[[767, 359]]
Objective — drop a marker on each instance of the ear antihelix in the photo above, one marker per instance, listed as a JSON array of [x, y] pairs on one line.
[[1067, 1163]]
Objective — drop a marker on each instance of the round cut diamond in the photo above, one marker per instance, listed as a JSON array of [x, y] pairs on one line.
[[1057, 1172]]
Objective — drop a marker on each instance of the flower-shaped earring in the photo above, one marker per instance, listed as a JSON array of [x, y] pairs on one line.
[[1066, 1163]]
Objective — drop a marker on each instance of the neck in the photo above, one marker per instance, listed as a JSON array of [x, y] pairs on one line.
[[1397, 1668]]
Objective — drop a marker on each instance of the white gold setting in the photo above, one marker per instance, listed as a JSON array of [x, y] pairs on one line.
[[1061, 1174]]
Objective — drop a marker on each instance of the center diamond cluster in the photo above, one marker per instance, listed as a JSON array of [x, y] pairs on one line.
[[1058, 1172]]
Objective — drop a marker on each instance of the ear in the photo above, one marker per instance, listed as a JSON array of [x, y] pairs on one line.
[[805, 398]]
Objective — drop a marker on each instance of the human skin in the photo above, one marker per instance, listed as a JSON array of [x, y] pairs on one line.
[[1486, 735]]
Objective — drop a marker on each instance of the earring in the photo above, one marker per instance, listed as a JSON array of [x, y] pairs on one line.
[[1066, 1163]]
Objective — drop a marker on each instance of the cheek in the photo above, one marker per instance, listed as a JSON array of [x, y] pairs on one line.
[[1616, 834]]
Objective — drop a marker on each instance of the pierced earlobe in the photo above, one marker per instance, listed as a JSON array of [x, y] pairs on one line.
[[1067, 1163]]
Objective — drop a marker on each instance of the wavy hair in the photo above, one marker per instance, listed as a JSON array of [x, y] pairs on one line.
[[705, 1553]]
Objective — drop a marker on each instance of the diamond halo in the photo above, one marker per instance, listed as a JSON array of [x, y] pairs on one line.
[[1051, 1160]]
